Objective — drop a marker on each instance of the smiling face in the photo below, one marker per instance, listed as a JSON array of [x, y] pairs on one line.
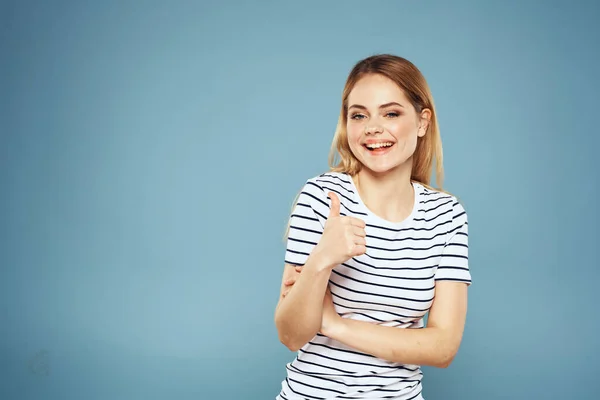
[[382, 125]]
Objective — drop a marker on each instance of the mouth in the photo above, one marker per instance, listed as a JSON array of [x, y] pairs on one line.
[[378, 148]]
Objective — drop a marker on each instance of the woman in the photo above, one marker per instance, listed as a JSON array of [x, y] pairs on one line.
[[372, 248]]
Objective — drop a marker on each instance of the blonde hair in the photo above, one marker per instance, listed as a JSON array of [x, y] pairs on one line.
[[412, 82]]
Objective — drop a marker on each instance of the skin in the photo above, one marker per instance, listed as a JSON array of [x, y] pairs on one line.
[[299, 317], [385, 187], [378, 110]]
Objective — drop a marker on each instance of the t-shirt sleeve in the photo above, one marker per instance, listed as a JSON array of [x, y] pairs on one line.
[[306, 223], [454, 263]]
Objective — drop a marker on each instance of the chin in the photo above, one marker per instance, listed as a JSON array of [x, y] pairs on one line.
[[383, 165], [380, 170], [397, 158]]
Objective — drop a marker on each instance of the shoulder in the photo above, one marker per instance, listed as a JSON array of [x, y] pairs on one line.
[[444, 205], [314, 193], [329, 179], [316, 189], [320, 185]]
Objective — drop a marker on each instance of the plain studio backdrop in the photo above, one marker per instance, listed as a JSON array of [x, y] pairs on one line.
[[150, 153]]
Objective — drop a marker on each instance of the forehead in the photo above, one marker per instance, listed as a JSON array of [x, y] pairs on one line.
[[373, 90]]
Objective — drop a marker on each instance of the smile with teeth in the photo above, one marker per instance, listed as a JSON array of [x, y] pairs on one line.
[[373, 146]]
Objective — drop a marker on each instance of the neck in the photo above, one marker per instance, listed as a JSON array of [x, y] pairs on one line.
[[389, 195]]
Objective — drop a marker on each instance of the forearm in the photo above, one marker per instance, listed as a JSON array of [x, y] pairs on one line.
[[298, 315], [431, 346]]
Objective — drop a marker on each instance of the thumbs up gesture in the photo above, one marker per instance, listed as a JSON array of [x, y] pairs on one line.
[[343, 237]]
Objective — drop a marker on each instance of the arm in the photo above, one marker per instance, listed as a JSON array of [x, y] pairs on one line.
[[436, 345], [319, 246], [298, 315]]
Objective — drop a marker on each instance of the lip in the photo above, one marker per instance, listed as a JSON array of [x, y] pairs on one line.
[[375, 141], [381, 151]]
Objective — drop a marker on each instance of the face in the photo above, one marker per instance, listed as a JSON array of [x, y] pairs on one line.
[[382, 125]]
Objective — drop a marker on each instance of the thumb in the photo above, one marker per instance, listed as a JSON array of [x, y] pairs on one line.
[[335, 205]]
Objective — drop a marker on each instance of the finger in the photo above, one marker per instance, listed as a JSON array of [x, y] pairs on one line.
[[290, 282], [360, 240], [359, 223], [359, 250], [359, 232], [335, 205], [298, 268]]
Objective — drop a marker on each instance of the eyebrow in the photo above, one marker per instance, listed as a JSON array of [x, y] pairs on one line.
[[393, 103]]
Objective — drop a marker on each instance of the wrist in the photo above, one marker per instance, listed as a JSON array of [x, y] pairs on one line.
[[319, 259], [337, 329]]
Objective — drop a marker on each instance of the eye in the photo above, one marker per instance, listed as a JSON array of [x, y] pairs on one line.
[[357, 116], [392, 114]]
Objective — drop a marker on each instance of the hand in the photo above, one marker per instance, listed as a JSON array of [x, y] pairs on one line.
[[330, 318], [290, 282], [343, 237]]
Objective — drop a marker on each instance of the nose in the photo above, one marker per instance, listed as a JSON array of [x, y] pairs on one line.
[[373, 129]]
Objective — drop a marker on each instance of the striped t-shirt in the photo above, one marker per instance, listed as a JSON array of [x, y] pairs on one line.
[[392, 284]]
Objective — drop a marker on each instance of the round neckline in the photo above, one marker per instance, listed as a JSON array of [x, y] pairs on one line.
[[380, 220]]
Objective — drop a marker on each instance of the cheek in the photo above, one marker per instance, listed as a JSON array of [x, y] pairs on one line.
[[354, 133], [402, 130]]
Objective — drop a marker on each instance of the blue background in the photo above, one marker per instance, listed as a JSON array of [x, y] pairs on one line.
[[150, 153]]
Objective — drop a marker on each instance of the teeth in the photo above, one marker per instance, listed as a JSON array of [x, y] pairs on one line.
[[378, 145]]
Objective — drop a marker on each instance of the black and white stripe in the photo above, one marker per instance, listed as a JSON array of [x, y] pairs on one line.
[[393, 284]]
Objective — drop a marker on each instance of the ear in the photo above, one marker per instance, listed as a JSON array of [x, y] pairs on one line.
[[424, 120]]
